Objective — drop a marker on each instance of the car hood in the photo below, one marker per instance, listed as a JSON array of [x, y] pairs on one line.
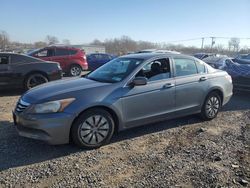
[[57, 88]]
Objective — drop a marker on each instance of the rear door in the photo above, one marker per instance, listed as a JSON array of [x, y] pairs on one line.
[[62, 56], [191, 85]]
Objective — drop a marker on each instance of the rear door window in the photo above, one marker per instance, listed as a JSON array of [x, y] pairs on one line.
[[4, 60], [184, 67], [61, 52], [72, 52]]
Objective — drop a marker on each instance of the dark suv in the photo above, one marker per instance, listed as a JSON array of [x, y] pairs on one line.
[[72, 60]]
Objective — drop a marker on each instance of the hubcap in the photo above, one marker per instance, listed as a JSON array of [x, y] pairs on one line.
[[75, 71], [36, 80], [94, 129], [212, 106]]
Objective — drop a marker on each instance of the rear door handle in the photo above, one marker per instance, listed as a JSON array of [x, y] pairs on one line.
[[168, 85], [203, 78]]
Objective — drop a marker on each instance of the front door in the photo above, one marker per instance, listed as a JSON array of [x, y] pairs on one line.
[[151, 102]]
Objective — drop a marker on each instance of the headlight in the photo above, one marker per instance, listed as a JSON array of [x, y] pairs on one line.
[[51, 106]]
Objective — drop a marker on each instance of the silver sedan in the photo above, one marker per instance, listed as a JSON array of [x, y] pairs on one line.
[[128, 91]]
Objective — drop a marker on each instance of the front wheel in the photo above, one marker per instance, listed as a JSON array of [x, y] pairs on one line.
[[211, 106], [75, 70], [93, 129]]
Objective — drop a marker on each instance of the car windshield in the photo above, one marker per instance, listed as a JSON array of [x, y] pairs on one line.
[[31, 52], [115, 70]]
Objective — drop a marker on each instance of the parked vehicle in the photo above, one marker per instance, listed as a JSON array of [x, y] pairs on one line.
[[242, 59], [126, 92], [72, 60], [204, 55], [96, 60], [217, 62], [23, 71], [240, 73]]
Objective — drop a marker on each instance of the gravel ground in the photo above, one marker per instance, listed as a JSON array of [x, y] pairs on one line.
[[185, 152]]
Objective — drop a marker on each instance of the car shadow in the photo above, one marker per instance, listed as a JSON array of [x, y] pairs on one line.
[[17, 151]]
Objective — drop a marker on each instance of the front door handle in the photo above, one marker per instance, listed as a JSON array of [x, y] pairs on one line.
[[203, 78], [168, 85]]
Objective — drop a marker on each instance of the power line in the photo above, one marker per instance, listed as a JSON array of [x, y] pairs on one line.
[[202, 38]]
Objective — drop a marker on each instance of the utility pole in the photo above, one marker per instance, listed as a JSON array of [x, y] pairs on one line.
[[202, 42], [212, 42]]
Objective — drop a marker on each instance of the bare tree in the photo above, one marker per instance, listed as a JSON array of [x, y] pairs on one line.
[[50, 40], [4, 40], [66, 41], [40, 44], [234, 43], [96, 42], [124, 44]]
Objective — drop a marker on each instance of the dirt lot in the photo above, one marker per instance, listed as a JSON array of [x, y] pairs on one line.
[[185, 152]]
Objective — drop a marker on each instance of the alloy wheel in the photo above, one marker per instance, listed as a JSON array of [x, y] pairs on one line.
[[94, 130], [212, 106], [35, 80], [75, 71]]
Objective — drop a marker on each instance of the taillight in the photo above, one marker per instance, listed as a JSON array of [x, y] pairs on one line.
[[229, 78]]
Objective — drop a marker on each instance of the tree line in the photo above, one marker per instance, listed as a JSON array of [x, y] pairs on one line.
[[125, 44]]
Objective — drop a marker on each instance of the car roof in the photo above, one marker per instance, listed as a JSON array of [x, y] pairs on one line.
[[62, 47], [146, 56]]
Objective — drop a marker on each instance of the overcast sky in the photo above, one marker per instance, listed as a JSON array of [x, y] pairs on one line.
[[81, 21]]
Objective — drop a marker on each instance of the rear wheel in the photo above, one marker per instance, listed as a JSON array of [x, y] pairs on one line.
[[93, 129], [211, 106], [75, 70], [34, 80]]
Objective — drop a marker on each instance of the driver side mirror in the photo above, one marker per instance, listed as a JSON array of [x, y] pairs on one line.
[[139, 81]]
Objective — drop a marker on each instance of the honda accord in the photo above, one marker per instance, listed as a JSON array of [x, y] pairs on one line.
[[126, 92]]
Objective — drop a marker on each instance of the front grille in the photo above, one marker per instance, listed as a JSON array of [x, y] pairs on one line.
[[21, 106]]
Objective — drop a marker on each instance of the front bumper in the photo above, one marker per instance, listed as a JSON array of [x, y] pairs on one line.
[[51, 128]]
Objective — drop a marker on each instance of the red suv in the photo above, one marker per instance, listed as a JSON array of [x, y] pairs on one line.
[[72, 60]]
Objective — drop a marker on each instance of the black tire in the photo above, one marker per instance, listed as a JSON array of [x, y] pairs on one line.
[[40, 79], [213, 100], [75, 70], [80, 133]]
